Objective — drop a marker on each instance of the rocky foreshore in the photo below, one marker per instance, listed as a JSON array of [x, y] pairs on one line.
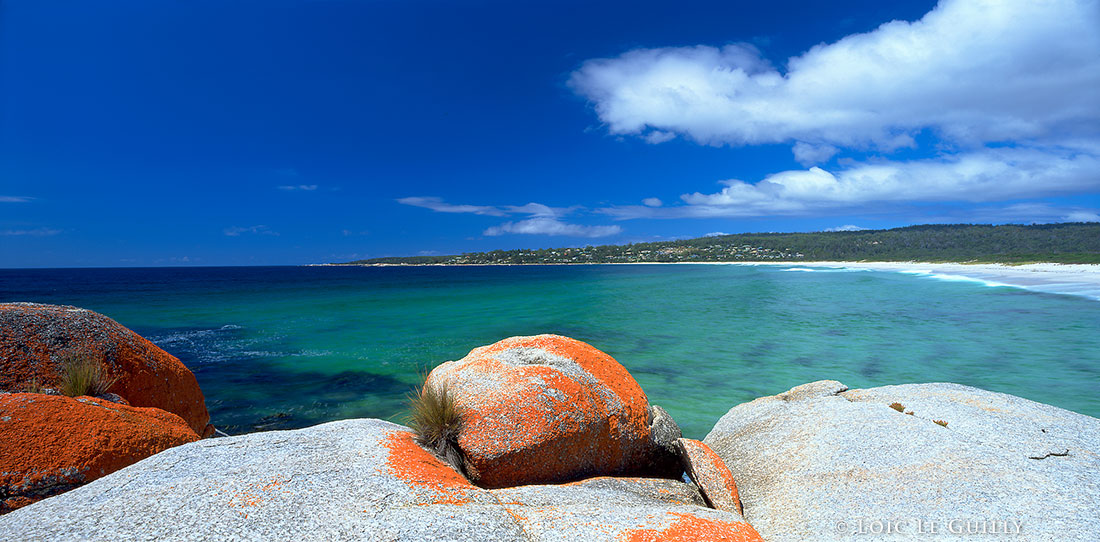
[[535, 438]]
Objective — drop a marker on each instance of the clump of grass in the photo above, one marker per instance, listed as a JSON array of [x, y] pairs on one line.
[[34, 386], [898, 407], [940, 422], [81, 374], [437, 420]]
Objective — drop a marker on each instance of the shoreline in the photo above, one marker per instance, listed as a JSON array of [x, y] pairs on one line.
[[1082, 280]]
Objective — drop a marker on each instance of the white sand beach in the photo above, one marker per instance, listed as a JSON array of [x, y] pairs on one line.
[[1070, 279]]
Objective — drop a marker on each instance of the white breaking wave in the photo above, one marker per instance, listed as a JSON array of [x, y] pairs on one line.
[[827, 269], [1037, 283], [1081, 280], [961, 278]]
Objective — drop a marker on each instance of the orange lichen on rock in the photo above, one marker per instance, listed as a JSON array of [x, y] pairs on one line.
[[546, 409], [711, 474], [688, 528], [35, 338], [250, 497], [422, 470], [50, 443]]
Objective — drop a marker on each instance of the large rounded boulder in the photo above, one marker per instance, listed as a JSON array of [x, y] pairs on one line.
[[550, 409], [50, 444], [35, 340], [929, 461], [363, 480]]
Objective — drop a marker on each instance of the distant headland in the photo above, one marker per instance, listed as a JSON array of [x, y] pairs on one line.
[[1068, 243]]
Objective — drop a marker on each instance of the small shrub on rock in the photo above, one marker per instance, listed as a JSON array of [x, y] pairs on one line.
[[897, 406], [437, 421], [81, 374]]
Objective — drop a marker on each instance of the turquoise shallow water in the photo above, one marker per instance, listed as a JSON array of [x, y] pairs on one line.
[[282, 347]]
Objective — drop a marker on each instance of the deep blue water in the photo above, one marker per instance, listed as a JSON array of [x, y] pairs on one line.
[[279, 347]]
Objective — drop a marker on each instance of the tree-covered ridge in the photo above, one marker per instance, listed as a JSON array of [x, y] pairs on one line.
[[1061, 243]]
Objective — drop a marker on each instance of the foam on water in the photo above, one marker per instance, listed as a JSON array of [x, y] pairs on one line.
[[1035, 284], [963, 278], [192, 335], [826, 269], [226, 343], [1089, 291]]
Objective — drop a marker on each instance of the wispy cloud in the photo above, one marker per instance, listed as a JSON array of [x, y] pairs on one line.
[[177, 259], [36, 232], [1026, 213], [539, 210], [14, 199], [808, 154], [552, 226], [438, 205], [1007, 89], [846, 227], [544, 220], [1082, 216], [299, 187], [237, 231]]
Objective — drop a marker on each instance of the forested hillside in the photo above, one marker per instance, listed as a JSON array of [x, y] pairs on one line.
[[1062, 243]]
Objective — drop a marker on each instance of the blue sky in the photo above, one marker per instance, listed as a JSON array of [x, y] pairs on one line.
[[284, 132]]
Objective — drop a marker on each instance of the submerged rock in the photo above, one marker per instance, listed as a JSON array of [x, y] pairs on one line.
[[356, 480], [50, 444], [279, 420], [35, 338], [550, 409], [823, 462]]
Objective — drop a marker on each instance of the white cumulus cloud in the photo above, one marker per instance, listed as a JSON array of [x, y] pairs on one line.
[[989, 175], [982, 176], [846, 227], [973, 70], [1006, 90]]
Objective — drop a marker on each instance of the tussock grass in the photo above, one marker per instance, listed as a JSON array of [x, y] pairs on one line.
[[437, 420], [34, 386], [81, 374]]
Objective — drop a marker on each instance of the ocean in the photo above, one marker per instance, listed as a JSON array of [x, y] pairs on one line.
[[288, 347]]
